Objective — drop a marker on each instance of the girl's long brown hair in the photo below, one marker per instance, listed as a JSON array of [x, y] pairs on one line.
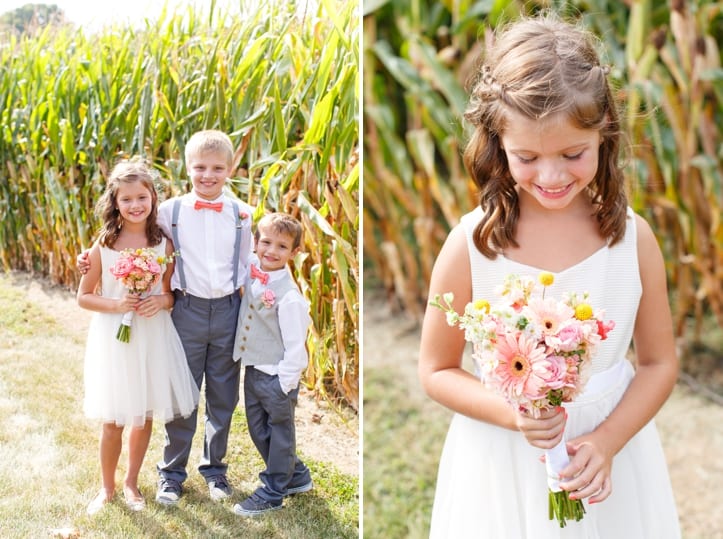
[[538, 68], [125, 172]]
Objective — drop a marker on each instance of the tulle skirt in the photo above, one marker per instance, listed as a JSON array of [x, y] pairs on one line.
[[148, 377], [491, 483]]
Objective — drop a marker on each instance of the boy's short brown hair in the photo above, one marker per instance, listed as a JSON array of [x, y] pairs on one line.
[[210, 140], [281, 223]]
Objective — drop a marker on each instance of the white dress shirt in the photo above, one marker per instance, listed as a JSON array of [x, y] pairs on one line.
[[207, 244], [294, 321]]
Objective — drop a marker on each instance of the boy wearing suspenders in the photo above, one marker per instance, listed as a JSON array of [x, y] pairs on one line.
[[212, 234]]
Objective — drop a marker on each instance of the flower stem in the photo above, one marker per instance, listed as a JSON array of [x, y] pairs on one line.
[[124, 333], [562, 508]]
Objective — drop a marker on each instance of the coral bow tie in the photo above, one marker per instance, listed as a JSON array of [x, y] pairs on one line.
[[262, 276], [201, 205]]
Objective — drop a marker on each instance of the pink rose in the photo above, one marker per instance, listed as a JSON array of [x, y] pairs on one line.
[[154, 267], [122, 267], [556, 372], [568, 338], [268, 297]]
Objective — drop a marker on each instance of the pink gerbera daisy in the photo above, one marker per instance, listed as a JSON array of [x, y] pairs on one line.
[[547, 314], [520, 366]]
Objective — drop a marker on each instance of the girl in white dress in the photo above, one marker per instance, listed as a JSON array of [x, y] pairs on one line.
[[544, 155], [127, 383]]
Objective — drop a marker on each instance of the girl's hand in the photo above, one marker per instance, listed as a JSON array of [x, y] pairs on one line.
[[128, 303], [150, 306], [544, 432], [588, 474]]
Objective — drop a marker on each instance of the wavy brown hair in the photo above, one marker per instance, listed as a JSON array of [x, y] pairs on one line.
[[125, 172], [540, 67]]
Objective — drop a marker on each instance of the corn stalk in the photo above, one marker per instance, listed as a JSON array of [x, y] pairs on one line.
[[281, 80], [418, 59]]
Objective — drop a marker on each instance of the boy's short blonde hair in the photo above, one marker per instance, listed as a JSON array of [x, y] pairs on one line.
[[281, 223], [210, 140]]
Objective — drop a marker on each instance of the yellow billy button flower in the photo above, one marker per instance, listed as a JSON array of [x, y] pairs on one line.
[[546, 278], [482, 305], [583, 311]]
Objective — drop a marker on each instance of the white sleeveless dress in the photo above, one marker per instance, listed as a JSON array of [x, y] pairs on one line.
[[126, 383], [491, 483]]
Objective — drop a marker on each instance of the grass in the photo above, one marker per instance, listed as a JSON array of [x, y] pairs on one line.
[[403, 437], [49, 462]]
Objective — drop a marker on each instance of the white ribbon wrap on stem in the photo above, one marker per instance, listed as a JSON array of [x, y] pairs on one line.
[[127, 317], [555, 460]]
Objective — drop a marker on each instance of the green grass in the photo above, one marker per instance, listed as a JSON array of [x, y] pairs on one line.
[[50, 469], [403, 437]]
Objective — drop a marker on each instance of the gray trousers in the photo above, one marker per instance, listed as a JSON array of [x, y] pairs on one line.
[[207, 328], [270, 418]]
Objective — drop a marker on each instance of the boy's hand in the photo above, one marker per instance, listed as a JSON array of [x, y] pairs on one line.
[[82, 262]]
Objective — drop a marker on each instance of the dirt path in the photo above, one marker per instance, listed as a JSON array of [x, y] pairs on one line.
[[689, 425], [322, 433]]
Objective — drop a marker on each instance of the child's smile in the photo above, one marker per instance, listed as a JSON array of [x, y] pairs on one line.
[[208, 172], [134, 202], [553, 160], [274, 249]]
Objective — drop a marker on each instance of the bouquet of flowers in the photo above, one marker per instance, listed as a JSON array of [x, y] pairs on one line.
[[535, 352], [138, 270]]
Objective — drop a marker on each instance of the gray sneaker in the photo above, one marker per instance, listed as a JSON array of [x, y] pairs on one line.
[[169, 491], [218, 487], [298, 489], [255, 505]]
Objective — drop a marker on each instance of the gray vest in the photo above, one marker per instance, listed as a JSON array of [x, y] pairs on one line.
[[258, 335]]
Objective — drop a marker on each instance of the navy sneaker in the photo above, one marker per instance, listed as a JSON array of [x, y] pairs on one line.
[[169, 491], [218, 487], [255, 505]]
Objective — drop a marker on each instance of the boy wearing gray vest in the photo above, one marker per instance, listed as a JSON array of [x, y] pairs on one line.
[[271, 343], [212, 232]]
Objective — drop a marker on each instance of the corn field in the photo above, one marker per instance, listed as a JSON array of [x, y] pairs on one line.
[[666, 66], [281, 80]]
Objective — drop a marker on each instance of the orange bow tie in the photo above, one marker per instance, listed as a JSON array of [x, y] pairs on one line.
[[215, 206], [262, 276]]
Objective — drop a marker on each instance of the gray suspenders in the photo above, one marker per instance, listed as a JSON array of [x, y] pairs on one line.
[[177, 245]]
